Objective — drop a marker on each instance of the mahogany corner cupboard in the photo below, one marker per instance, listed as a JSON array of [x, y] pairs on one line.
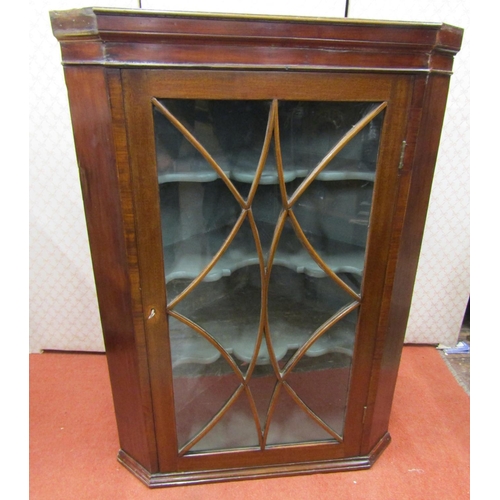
[[255, 191]]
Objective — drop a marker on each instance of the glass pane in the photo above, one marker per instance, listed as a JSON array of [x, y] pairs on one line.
[[334, 217], [301, 297], [176, 159], [325, 369], [196, 219], [309, 130], [323, 241], [290, 424], [203, 380], [240, 127], [236, 429], [232, 132], [358, 159], [229, 309], [262, 384], [266, 209]]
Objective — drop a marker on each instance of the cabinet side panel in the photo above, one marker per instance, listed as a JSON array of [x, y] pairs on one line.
[[95, 148], [423, 135]]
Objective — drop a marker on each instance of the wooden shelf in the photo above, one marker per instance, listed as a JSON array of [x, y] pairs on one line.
[[194, 349], [194, 170], [228, 310], [184, 259]]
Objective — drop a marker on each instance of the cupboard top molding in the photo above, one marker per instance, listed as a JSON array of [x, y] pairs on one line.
[[142, 38]]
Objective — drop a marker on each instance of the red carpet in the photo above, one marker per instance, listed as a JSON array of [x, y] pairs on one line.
[[73, 441]]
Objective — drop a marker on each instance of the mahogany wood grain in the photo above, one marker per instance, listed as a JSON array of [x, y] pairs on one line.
[[135, 37], [366, 358], [97, 160], [429, 102], [304, 466], [151, 270]]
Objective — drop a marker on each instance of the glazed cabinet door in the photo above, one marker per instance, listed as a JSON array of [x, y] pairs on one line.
[[263, 219]]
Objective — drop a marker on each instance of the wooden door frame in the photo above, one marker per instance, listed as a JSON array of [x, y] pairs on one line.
[[139, 87]]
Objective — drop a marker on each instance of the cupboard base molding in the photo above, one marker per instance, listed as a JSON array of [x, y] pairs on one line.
[[160, 479]]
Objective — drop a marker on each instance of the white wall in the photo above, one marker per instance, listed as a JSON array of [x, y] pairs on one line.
[[442, 286], [63, 306], [63, 303]]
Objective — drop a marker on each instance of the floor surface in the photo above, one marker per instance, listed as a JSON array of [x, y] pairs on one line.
[[73, 441]]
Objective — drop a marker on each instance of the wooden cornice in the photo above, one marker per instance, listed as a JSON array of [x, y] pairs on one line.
[[131, 37]]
